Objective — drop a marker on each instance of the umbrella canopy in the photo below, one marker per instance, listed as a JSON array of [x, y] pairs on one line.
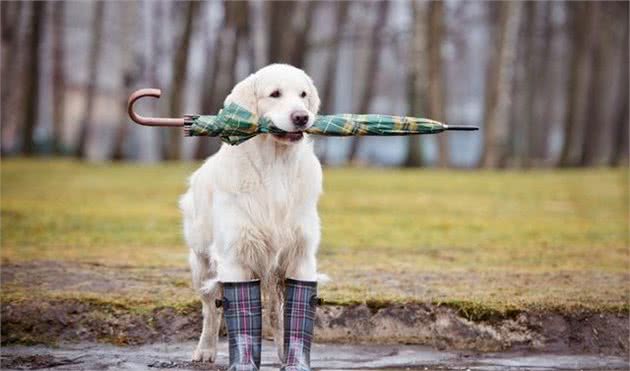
[[234, 125]]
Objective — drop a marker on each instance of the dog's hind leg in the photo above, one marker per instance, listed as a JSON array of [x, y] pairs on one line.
[[204, 282]]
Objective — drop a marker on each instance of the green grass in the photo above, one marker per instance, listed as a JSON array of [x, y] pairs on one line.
[[466, 238]]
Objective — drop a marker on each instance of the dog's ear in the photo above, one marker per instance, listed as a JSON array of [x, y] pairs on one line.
[[244, 94], [313, 96]]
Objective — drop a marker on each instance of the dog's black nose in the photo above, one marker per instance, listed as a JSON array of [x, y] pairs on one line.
[[299, 118]]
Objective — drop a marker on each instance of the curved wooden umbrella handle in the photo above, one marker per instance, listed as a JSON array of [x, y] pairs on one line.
[[150, 121]]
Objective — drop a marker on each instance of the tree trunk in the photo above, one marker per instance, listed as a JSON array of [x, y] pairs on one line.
[[579, 80], [131, 73], [373, 61], [539, 95], [180, 72], [299, 48], [593, 124], [209, 145], [435, 93], [32, 93], [12, 71], [59, 78], [330, 72], [341, 14], [620, 147], [523, 90], [620, 155], [93, 72], [280, 31], [499, 87], [220, 80], [11, 19], [417, 78]]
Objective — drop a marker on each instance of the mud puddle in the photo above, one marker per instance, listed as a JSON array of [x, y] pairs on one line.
[[164, 356]]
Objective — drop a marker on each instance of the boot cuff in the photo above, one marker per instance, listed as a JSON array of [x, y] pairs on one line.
[[291, 281]]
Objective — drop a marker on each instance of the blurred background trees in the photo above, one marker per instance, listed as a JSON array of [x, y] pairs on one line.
[[546, 81]]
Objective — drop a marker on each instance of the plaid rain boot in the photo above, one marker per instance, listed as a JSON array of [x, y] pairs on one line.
[[242, 311], [299, 318]]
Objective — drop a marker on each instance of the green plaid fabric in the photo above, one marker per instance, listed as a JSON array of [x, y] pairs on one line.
[[234, 125]]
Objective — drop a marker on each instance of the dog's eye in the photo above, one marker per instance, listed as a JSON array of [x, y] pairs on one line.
[[275, 94], [303, 95]]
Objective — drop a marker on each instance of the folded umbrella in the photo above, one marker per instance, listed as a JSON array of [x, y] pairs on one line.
[[234, 124]]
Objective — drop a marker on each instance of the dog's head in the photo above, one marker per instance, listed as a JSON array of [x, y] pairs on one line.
[[282, 93]]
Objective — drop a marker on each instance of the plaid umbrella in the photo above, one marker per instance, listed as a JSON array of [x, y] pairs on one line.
[[234, 125]]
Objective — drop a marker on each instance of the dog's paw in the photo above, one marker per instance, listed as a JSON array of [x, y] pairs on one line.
[[204, 355]]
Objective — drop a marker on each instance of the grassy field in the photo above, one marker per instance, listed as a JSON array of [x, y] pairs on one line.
[[478, 239]]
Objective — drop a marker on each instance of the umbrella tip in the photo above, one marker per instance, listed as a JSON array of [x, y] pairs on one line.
[[462, 127]]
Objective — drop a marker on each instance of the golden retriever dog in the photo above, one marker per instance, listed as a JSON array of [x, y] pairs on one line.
[[251, 210]]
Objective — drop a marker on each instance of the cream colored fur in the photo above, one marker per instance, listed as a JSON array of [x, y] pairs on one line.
[[251, 209]]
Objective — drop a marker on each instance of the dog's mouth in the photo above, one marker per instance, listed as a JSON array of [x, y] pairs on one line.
[[289, 136]]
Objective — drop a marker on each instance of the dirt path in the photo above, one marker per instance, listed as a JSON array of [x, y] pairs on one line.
[[176, 356], [51, 302]]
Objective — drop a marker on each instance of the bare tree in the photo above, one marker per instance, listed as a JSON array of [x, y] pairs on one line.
[[299, 47], [32, 94], [11, 99], [158, 55], [581, 31], [330, 72], [373, 60], [516, 145], [499, 85], [436, 94], [222, 76], [526, 127], [417, 78], [538, 96], [619, 154], [131, 73], [280, 39], [11, 17], [207, 146], [609, 55], [59, 78], [93, 72], [598, 85], [180, 72]]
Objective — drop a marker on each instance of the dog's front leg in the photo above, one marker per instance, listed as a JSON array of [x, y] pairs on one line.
[[231, 239], [295, 261], [203, 277], [305, 269], [238, 249], [207, 346], [304, 264]]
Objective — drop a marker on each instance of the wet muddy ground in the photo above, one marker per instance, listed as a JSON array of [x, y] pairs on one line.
[[91, 356], [94, 317]]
